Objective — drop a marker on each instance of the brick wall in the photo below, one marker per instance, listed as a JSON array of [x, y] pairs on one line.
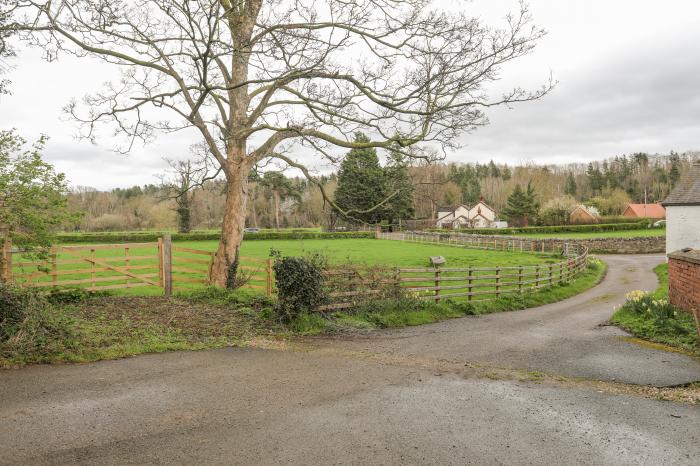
[[684, 279]]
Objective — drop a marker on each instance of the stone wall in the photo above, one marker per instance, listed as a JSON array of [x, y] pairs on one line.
[[684, 279], [641, 245]]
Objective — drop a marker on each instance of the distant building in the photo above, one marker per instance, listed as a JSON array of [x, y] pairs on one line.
[[480, 215], [683, 212], [584, 214], [655, 211]]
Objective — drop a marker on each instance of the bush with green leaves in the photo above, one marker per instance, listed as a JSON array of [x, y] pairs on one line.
[[32, 194], [300, 284], [30, 326]]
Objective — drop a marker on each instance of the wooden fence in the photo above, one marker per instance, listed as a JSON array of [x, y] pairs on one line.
[[349, 286], [158, 264]]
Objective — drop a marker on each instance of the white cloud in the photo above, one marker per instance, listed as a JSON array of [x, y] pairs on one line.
[[627, 74]]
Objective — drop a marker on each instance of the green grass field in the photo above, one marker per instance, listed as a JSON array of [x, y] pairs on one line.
[[143, 260], [380, 252]]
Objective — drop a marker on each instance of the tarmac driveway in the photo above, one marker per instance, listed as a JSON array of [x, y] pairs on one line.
[[398, 397]]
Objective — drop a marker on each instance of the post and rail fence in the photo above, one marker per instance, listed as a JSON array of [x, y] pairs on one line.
[[170, 267], [358, 284], [103, 267]]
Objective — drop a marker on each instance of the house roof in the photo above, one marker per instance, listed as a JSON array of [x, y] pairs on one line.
[[590, 211], [485, 205], [647, 210], [687, 191], [447, 208]]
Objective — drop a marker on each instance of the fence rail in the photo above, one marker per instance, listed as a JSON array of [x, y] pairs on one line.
[[348, 287], [158, 264]]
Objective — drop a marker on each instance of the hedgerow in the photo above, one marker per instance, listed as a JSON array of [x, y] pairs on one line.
[[149, 236], [595, 227]]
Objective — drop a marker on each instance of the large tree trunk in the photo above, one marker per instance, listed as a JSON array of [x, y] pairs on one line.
[[226, 259], [276, 202]]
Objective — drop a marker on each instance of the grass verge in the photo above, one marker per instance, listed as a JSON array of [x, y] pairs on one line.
[[404, 312], [653, 319], [82, 328], [109, 327]]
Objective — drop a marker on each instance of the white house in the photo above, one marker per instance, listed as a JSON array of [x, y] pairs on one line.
[[683, 212], [480, 215]]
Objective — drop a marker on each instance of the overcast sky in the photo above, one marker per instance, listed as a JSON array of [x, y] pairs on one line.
[[628, 73]]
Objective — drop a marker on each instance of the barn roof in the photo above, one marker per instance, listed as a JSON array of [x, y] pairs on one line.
[[647, 210], [687, 191]]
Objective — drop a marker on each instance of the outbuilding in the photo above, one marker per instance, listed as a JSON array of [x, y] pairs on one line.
[[683, 212]]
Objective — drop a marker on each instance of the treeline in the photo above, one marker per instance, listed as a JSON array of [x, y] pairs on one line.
[[415, 191]]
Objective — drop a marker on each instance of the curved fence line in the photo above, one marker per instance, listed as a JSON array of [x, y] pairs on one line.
[[350, 286]]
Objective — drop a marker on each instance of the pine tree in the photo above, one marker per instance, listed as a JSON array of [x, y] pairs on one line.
[[399, 186], [521, 206], [570, 185], [361, 184]]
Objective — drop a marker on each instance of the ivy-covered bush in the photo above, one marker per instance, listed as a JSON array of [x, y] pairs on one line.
[[300, 284], [30, 325]]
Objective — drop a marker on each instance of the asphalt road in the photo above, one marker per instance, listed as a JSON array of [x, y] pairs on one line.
[[564, 338], [393, 398]]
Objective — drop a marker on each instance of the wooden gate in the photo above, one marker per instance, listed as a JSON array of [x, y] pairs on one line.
[[100, 267], [92, 268]]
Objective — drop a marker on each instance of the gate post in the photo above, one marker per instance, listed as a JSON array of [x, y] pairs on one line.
[[6, 258], [167, 264]]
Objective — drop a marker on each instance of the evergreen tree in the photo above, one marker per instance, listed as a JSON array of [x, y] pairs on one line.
[[361, 184], [399, 186], [467, 178], [521, 206], [506, 174], [570, 187]]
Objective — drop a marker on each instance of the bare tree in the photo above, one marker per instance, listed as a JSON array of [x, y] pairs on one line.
[[7, 8], [258, 77], [181, 180]]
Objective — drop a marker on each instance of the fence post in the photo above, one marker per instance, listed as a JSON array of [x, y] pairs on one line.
[[537, 276], [6, 258], [93, 256], [167, 261], [126, 264], [520, 279], [498, 281], [551, 277], [54, 269], [470, 276], [269, 276], [437, 285]]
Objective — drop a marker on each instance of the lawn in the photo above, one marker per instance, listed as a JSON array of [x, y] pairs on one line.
[[144, 259], [641, 233], [381, 252]]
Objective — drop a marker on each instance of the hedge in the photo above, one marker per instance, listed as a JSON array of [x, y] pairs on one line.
[[148, 236], [595, 227]]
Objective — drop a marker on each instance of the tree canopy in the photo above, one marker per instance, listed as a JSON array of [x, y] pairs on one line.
[[256, 78], [522, 207], [361, 184], [33, 203]]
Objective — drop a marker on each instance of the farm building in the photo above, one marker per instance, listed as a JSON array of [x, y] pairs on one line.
[[683, 212], [584, 214], [655, 211], [480, 215]]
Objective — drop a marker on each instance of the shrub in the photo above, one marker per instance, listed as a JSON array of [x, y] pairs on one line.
[[30, 327], [300, 284]]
